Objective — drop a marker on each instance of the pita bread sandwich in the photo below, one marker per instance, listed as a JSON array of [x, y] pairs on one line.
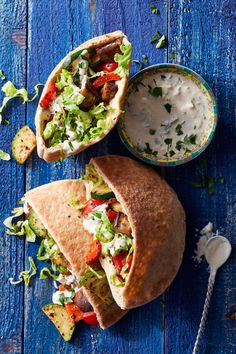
[[140, 224], [82, 291], [83, 96], [116, 237]]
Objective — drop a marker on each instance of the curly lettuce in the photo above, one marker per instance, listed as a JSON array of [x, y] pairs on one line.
[[123, 60]]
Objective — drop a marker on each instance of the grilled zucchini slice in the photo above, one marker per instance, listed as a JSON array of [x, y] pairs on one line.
[[59, 317], [23, 144], [36, 225]]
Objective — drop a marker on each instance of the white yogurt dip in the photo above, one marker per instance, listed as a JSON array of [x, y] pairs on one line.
[[166, 115]]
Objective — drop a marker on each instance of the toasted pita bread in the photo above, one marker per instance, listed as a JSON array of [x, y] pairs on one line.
[[51, 202], [54, 153], [157, 221]]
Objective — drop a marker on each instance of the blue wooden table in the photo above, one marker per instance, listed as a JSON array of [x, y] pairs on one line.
[[35, 35]]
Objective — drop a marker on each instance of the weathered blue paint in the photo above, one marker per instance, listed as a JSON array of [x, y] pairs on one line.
[[35, 35]]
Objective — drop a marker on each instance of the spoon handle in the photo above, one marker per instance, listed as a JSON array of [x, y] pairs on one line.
[[202, 325]]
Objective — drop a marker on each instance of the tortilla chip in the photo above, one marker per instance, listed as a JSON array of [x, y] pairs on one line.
[[52, 203], [158, 226], [55, 153]]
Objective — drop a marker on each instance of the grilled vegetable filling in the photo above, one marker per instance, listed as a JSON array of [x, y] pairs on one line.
[[106, 220], [76, 104], [69, 303]]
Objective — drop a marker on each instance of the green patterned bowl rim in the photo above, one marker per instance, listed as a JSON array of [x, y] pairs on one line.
[[194, 154]]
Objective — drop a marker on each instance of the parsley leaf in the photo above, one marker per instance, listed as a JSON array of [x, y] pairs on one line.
[[168, 141], [168, 107], [155, 92], [161, 43], [179, 145], [154, 9], [178, 129], [155, 37], [152, 131], [211, 185]]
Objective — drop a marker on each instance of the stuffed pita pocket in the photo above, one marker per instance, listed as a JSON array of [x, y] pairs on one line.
[[83, 96], [82, 292], [140, 224]]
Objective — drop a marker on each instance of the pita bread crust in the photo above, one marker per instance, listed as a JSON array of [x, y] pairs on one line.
[[54, 153], [158, 226], [65, 224]]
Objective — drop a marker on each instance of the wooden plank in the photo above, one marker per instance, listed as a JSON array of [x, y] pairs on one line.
[[12, 62], [50, 38], [203, 37]]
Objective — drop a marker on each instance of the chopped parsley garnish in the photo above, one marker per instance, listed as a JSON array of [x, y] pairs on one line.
[[162, 42], [141, 63], [155, 92], [221, 179], [136, 85], [81, 65], [145, 59], [171, 153], [201, 182], [152, 131], [154, 9], [71, 146], [168, 107], [147, 150], [155, 37], [211, 185], [163, 77], [192, 139], [178, 129], [168, 141], [179, 145]]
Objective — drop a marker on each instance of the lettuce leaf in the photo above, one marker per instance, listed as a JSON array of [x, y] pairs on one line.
[[26, 275], [12, 92], [46, 272], [123, 60], [4, 155]]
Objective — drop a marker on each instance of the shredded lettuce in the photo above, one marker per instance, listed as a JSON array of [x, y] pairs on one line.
[[74, 203], [46, 272], [92, 178], [47, 249], [66, 299], [4, 155], [26, 275], [116, 281], [65, 79], [2, 76], [123, 60], [12, 92], [105, 231], [69, 122], [21, 228]]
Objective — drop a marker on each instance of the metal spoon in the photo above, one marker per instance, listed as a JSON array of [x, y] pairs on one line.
[[217, 252]]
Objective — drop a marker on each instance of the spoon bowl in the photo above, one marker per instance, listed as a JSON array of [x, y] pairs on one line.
[[217, 252]]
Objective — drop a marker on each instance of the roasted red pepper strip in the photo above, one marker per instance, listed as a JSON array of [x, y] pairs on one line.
[[74, 312], [94, 253], [120, 260], [90, 318], [91, 204], [50, 95], [111, 215], [100, 81], [109, 67]]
